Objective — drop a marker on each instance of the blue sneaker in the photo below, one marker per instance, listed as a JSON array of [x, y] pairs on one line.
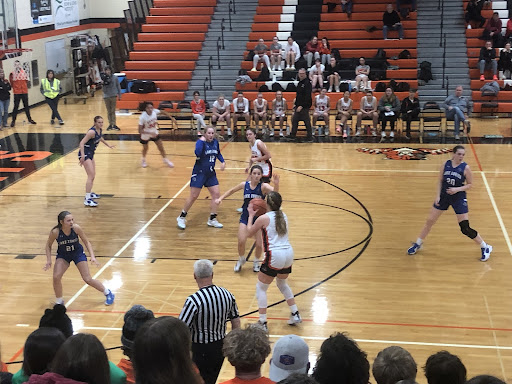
[[95, 195], [414, 248], [109, 298], [486, 253]]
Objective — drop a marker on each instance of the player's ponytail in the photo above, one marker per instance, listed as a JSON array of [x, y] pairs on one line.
[[61, 217], [274, 201]]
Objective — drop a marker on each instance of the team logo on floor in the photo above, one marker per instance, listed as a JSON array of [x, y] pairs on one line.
[[405, 153]]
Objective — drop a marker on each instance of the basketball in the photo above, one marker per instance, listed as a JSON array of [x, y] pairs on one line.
[[260, 206]]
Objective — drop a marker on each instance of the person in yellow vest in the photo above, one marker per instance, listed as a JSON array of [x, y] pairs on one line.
[[51, 89]]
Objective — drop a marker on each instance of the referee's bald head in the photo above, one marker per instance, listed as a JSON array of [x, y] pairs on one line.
[[203, 268]]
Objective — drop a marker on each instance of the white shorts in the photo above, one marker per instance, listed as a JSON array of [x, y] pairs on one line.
[[278, 261], [149, 134]]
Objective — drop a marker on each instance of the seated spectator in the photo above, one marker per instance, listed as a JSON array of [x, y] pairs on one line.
[[401, 10], [322, 108], [492, 30], [246, 350], [344, 108], [362, 73], [316, 75], [291, 54], [485, 379], [39, 350], [410, 111], [487, 60], [393, 364], [278, 113], [456, 109], [260, 112], [312, 51], [474, 13], [508, 31], [346, 7], [391, 21], [162, 353], [5, 376], [276, 54], [389, 108], [332, 75], [241, 110], [368, 109], [260, 55], [198, 111], [444, 368], [298, 378], [341, 362], [291, 355], [325, 51], [221, 112], [57, 318], [133, 320], [505, 63]]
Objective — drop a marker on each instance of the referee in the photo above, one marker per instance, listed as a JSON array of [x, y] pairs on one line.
[[303, 102], [206, 313]]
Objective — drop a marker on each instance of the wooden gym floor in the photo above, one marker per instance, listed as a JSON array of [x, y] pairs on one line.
[[352, 217]]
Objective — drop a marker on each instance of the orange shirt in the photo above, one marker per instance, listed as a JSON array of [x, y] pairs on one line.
[[127, 367], [198, 108], [261, 380], [18, 86]]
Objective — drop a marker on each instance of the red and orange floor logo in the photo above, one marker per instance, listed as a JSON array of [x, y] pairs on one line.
[[405, 153]]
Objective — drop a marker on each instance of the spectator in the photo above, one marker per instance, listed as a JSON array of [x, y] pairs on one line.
[[260, 55], [57, 318], [291, 53], [316, 75], [278, 113], [393, 364], [508, 31], [444, 368], [344, 112], [5, 99], [492, 30], [410, 111], [485, 379], [474, 13], [487, 60], [161, 353], [134, 318], [389, 108], [341, 362], [332, 75], [38, 352], [505, 63], [346, 6], [111, 93], [291, 355], [206, 313], [362, 73], [391, 21], [51, 89], [19, 81], [367, 109], [260, 112], [322, 107], [312, 51], [198, 111], [302, 104], [246, 350], [399, 7], [276, 54], [241, 110], [456, 109], [221, 112], [325, 51], [299, 378]]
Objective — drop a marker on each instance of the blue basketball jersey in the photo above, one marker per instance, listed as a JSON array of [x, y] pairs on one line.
[[453, 177], [250, 194], [91, 144], [68, 245], [206, 155]]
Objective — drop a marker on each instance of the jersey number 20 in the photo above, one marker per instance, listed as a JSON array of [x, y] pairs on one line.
[[450, 181]]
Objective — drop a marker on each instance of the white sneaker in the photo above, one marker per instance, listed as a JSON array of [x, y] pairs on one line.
[[295, 319], [281, 134], [240, 210], [256, 266], [253, 70], [486, 253], [95, 195], [90, 203], [279, 68], [292, 67], [392, 134], [238, 266], [374, 132], [358, 131], [214, 223], [143, 163], [469, 26], [337, 89], [262, 325], [287, 67], [383, 134], [182, 222], [330, 89], [272, 133], [169, 163], [229, 132]]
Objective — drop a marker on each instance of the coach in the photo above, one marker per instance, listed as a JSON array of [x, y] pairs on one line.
[[206, 313], [302, 104]]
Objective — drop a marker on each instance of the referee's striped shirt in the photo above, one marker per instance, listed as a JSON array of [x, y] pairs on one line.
[[206, 313]]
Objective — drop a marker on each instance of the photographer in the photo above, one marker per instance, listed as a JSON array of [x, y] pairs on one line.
[[111, 92]]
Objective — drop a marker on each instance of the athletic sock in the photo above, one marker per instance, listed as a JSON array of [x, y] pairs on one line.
[[263, 317], [59, 300], [106, 291], [294, 308], [419, 241], [213, 216], [87, 196], [183, 214], [483, 244]]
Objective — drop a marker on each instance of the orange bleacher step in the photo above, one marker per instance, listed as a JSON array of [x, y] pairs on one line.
[[374, 18], [336, 35], [503, 96], [192, 37], [159, 75], [161, 65], [177, 28], [159, 55], [167, 46], [377, 43], [178, 19], [358, 7], [184, 3], [172, 85], [502, 107], [477, 84], [172, 11]]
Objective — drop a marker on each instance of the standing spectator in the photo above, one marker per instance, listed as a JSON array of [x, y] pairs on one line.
[[198, 107], [474, 13], [444, 368], [492, 30], [19, 82], [410, 111], [278, 113], [346, 6], [241, 110], [303, 102], [206, 313], [367, 109], [51, 89], [5, 99], [393, 364], [260, 55], [291, 54], [325, 51], [276, 54], [312, 51], [316, 75], [391, 21], [221, 112], [111, 93], [362, 73], [456, 109], [332, 75], [389, 108], [322, 105], [344, 112], [260, 112], [246, 350], [291, 355], [487, 60], [505, 63]]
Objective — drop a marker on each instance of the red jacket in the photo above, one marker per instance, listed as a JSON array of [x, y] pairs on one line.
[[51, 378], [509, 28], [493, 25], [317, 48]]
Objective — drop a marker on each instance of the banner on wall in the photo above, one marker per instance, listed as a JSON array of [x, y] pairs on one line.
[[41, 11], [66, 13]]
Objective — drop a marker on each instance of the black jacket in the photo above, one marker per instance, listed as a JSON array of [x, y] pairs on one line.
[[505, 62], [487, 54], [303, 97], [408, 105], [5, 87], [390, 18]]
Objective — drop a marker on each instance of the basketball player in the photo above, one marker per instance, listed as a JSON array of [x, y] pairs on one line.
[[278, 256], [278, 113], [203, 175], [67, 234], [455, 178], [86, 157], [322, 108], [260, 155], [344, 107], [260, 112], [254, 188], [368, 109], [148, 129]]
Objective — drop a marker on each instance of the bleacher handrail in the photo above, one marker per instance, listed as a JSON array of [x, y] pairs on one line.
[[222, 32], [234, 8], [218, 52]]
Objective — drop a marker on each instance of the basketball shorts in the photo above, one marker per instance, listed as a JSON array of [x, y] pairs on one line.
[[89, 155], [203, 179], [459, 205], [76, 258], [145, 138], [278, 261]]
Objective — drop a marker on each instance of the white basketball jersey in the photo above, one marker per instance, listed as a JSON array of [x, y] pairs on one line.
[[270, 235], [345, 105], [321, 103], [279, 107], [259, 107], [255, 152]]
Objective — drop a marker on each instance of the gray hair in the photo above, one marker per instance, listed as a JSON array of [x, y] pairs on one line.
[[203, 268]]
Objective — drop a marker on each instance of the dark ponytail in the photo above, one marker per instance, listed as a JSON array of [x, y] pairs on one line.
[[61, 217], [274, 201]]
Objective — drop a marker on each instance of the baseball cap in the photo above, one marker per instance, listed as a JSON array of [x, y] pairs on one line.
[[291, 355]]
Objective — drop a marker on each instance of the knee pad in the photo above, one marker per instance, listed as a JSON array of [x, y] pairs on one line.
[[467, 230], [284, 288], [261, 294]]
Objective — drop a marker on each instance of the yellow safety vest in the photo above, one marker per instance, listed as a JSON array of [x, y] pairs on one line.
[[49, 90]]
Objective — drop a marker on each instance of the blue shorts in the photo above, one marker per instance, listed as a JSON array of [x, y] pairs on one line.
[[244, 217], [78, 257], [88, 155], [201, 179], [459, 204]]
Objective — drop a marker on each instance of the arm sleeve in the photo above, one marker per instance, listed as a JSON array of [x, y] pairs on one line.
[[41, 89], [380, 106], [199, 148], [445, 105], [118, 86], [233, 313], [188, 312], [396, 107], [481, 56]]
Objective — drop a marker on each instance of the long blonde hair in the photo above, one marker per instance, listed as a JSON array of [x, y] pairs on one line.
[[274, 201]]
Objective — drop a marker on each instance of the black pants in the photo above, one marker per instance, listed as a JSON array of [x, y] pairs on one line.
[[480, 19], [384, 119], [208, 358], [54, 103], [17, 98], [408, 117], [303, 115]]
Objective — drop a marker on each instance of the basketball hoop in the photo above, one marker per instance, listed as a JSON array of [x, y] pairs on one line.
[[13, 52]]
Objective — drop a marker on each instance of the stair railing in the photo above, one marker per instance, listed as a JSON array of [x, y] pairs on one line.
[[444, 61], [210, 66], [205, 87], [447, 86], [222, 32], [442, 25], [234, 8], [218, 52], [229, 16]]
